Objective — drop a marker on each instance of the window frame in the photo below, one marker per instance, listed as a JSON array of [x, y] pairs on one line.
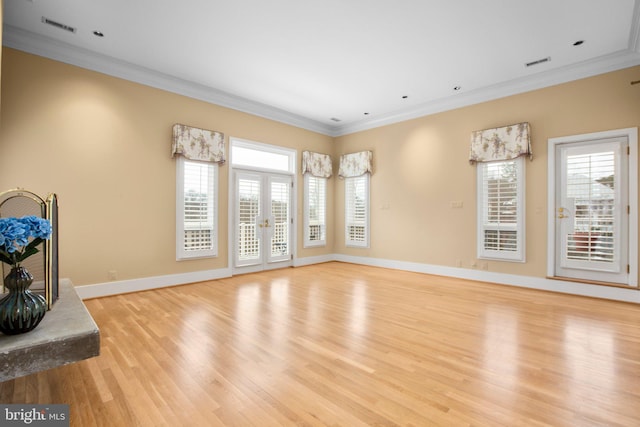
[[347, 223], [322, 241], [181, 252], [286, 154], [517, 255]]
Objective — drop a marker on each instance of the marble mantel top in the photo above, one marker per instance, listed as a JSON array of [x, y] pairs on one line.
[[66, 334]]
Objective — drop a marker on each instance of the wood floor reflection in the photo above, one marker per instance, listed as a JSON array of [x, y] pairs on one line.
[[346, 345]]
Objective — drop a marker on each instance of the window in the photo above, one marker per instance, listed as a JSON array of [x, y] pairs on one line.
[[357, 211], [315, 209], [258, 156], [501, 210], [196, 210]]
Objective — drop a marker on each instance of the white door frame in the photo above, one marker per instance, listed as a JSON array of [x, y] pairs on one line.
[[231, 198], [632, 136], [266, 260]]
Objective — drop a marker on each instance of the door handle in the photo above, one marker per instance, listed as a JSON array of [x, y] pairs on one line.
[[265, 224]]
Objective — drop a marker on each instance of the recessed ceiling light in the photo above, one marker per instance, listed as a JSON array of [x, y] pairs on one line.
[[578, 43], [334, 119], [457, 88], [98, 34], [405, 96], [366, 114]]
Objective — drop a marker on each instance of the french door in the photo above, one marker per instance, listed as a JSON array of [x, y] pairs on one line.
[[591, 217], [262, 221]]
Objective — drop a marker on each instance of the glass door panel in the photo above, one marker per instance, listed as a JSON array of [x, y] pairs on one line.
[[280, 208], [262, 221], [248, 216], [591, 218]]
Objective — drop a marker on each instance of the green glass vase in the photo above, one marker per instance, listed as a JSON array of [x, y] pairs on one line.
[[21, 310]]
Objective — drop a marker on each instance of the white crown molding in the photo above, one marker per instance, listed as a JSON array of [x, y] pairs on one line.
[[604, 64], [42, 46], [36, 44]]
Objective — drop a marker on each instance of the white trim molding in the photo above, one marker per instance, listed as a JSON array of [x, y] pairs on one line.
[[301, 262], [36, 44], [147, 283], [539, 283]]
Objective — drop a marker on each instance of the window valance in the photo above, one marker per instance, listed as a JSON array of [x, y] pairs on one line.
[[316, 164], [198, 144], [504, 143], [355, 164]]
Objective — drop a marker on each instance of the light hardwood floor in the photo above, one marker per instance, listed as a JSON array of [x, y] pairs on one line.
[[346, 345]]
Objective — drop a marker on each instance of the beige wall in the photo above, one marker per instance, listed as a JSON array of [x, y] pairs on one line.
[[421, 167], [103, 145]]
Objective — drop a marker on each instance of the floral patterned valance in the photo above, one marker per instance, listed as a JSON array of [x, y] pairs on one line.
[[355, 164], [503, 143], [316, 164], [198, 144]]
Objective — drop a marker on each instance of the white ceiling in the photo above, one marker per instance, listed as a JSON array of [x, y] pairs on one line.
[[304, 62]]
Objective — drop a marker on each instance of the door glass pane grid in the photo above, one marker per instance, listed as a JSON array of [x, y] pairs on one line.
[[591, 186], [248, 212], [280, 213]]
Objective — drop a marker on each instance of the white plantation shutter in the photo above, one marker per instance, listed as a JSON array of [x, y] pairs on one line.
[[280, 218], [249, 210], [591, 187], [501, 210], [357, 211], [196, 209], [315, 211]]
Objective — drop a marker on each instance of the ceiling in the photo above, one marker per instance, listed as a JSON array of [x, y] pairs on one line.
[[334, 66]]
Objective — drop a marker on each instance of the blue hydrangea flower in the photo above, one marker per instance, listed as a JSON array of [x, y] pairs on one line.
[[19, 237]]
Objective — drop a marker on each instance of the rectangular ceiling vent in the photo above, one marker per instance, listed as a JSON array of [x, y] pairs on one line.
[[539, 61], [58, 25]]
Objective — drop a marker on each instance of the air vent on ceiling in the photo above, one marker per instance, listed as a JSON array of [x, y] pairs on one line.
[[334, 119], [58, 25], [539, 61]]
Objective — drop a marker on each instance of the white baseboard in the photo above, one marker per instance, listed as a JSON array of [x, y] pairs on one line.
[[301, 262], [540, 283], [134, 285]]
